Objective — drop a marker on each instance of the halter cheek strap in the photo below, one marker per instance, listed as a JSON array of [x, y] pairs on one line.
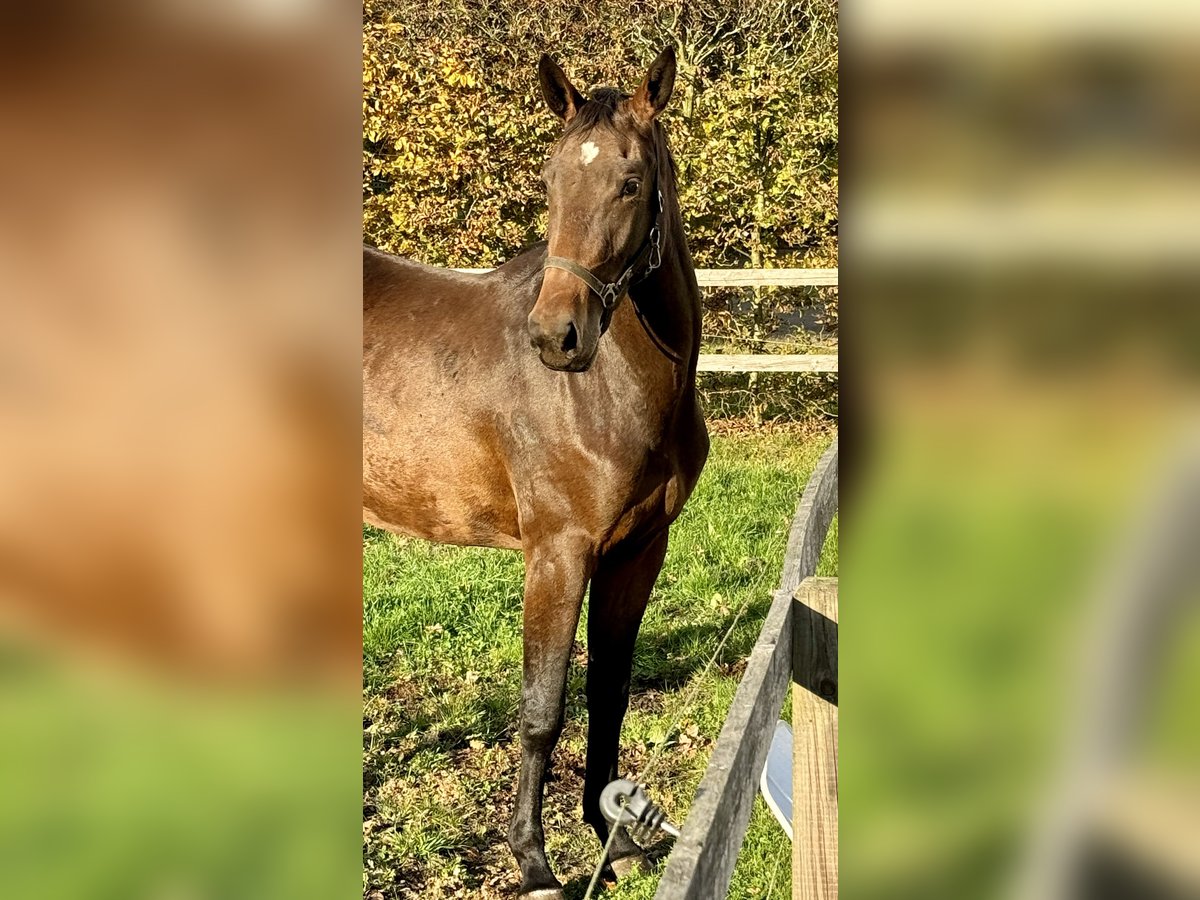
[[604, 291], [650, 256]]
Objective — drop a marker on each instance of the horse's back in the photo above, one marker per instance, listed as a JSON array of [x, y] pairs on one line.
[[396, 281]]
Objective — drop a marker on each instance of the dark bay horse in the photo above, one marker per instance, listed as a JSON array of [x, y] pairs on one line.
[[581, 454]]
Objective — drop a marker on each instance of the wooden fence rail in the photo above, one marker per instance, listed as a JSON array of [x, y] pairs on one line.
[[701, 863], [751, 277], [767, 362], [760, 362]]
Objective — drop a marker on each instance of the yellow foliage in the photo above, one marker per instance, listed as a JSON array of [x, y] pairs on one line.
[[455, 131]]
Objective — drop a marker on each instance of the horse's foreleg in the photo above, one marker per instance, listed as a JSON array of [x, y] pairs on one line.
[[555, 578], [620, 589]]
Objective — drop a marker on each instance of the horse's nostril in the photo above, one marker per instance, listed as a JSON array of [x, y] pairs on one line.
[[571, 339]]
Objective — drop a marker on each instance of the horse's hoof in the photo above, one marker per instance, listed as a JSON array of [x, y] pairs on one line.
[[543, 894], [629, 865]]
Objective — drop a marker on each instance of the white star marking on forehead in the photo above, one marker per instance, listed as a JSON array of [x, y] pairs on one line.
[[588, 152]]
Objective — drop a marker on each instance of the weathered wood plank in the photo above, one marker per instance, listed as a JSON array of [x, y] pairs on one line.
[[703, 858], [751, 277], [815, 741], [768, 362], [811, 523], [767, 277]]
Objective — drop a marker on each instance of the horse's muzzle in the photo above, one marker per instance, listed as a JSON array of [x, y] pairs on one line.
[[560, 344]]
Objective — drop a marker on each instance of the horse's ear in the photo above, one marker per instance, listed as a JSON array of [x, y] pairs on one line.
[[562, 98], [651, 97]]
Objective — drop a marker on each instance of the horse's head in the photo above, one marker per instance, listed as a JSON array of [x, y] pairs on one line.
[[605, 201]]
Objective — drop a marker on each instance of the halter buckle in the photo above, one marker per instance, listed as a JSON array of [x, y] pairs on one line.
[[656, 238], [608, 297], [655, 249]]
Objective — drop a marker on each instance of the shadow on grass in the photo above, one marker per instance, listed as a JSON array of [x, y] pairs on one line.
[[656, 855], [663, 664]]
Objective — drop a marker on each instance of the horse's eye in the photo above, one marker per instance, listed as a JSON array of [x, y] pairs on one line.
[[632, 186]]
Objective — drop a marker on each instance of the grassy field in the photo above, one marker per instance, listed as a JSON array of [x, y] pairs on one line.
[[441, 681]]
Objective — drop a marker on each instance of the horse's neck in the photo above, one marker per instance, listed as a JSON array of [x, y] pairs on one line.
[[668, 303]]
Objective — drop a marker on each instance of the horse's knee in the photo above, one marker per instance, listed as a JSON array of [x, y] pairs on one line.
[[523, 836], [608, 685], [540, 727]]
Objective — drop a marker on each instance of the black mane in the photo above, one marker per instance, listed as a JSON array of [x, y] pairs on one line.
[[600, 109]]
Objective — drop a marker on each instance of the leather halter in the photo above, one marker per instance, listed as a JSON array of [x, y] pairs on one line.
[[650, 256]]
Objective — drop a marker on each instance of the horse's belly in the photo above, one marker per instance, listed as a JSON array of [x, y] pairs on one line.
[[452, 497], [461, 535]]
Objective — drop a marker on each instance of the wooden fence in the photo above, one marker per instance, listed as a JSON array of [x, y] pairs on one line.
[[761, 362], [798, 642], [767, 362], [751, 277]]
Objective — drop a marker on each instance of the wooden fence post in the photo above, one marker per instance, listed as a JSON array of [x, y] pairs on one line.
[[702, 861], [815, 740]]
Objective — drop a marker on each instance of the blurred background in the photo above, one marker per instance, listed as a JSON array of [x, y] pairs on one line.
[[179, 391], [1021, 264], [179, 573]]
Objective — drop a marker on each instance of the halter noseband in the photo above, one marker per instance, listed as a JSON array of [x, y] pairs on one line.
[[650, 255]]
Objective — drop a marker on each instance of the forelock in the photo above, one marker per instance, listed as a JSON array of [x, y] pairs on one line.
[[600, 109]]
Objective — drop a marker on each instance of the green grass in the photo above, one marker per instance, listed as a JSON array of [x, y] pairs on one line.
[[442, 661], [977, 572], [116, 786]]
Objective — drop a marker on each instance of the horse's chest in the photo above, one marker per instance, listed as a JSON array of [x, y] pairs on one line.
[[653, 502], [622, 478]]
